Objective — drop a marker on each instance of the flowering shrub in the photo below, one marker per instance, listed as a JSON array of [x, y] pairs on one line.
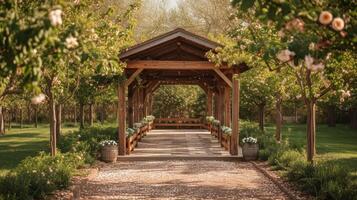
[[249, 140], [209, 119], [137, 125], [108, 143], [37, 176], [226, 130], [216, 122], [130, 132], [149, 118]]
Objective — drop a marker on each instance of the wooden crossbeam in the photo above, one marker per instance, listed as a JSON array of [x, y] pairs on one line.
[[224, 77], [171, 65], [132, 77]]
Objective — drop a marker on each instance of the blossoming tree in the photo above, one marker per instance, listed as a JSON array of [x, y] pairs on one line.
[[313, 36]]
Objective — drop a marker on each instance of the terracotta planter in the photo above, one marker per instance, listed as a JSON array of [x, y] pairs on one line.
[[109, 153], [250, 151]]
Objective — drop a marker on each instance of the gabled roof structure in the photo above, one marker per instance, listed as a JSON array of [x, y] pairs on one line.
[[177, 57], [178, 44]]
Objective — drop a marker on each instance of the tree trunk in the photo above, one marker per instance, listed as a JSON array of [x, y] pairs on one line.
[[29, 113], [21, 118], [36, 116], [91, 112], [353, 118], [81, 115], [75, 115], [102, 113], [261, 116], [296, 113], [311, 130], [279, 117], [58, 121], [2, 122], [10, 118], [331, 116], [53, 123]]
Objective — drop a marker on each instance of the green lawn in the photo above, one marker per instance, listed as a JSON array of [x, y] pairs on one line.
[[338, 143], [18, 143]]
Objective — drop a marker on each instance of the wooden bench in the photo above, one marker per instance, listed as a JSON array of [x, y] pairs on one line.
[[178, 122]]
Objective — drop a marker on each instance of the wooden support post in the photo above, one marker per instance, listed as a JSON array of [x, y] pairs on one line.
[[227, 106], [235, 117], [209, 103], [215, 113], [136, 104], [121, 118], [130, 107]]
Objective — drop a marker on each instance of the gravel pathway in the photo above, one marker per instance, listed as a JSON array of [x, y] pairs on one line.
[[180, 180]]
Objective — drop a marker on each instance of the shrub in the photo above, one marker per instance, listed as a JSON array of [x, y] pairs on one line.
[[325, 180], [37, 176], [290, 158], [86, 141], [249, 129]]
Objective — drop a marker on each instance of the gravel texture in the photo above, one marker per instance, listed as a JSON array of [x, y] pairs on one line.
[[180, 180]]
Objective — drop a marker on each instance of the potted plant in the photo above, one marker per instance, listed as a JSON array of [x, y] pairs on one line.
[[250, 148], [109, 151]]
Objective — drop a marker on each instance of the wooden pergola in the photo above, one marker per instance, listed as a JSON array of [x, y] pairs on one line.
[[177, 57]]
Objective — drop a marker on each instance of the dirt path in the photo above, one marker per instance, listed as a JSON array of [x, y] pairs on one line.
[[180, 180]]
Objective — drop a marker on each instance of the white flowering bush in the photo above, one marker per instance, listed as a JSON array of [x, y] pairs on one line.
[[137, 125], [209, 119], [226, 130], [130, 132], [108, 143], [249, 140], [150, 118], [216, 122]]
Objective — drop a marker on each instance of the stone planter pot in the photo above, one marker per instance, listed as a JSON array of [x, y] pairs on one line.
[[250, 151], [109, 153]]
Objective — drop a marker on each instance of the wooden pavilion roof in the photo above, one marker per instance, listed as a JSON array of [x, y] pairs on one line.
[[178, 56], [178, 44]]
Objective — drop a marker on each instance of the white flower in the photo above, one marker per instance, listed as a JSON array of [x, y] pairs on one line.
[[338, 24], [308, 61], [312, 46], [345, 94], [38, 99], [34, 171], [55, 17], [325, 17], [108, 143], [250, 140], [318, 67], [295, 24], [71, 42], [285, 55]]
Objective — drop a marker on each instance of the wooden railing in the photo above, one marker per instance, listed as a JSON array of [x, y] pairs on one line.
[[178, 123], [223, 139]]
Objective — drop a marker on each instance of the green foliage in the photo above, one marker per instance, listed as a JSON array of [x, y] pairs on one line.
[[86, 141], [25, 32], [178, 101], [37, 176], [325, 180]]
